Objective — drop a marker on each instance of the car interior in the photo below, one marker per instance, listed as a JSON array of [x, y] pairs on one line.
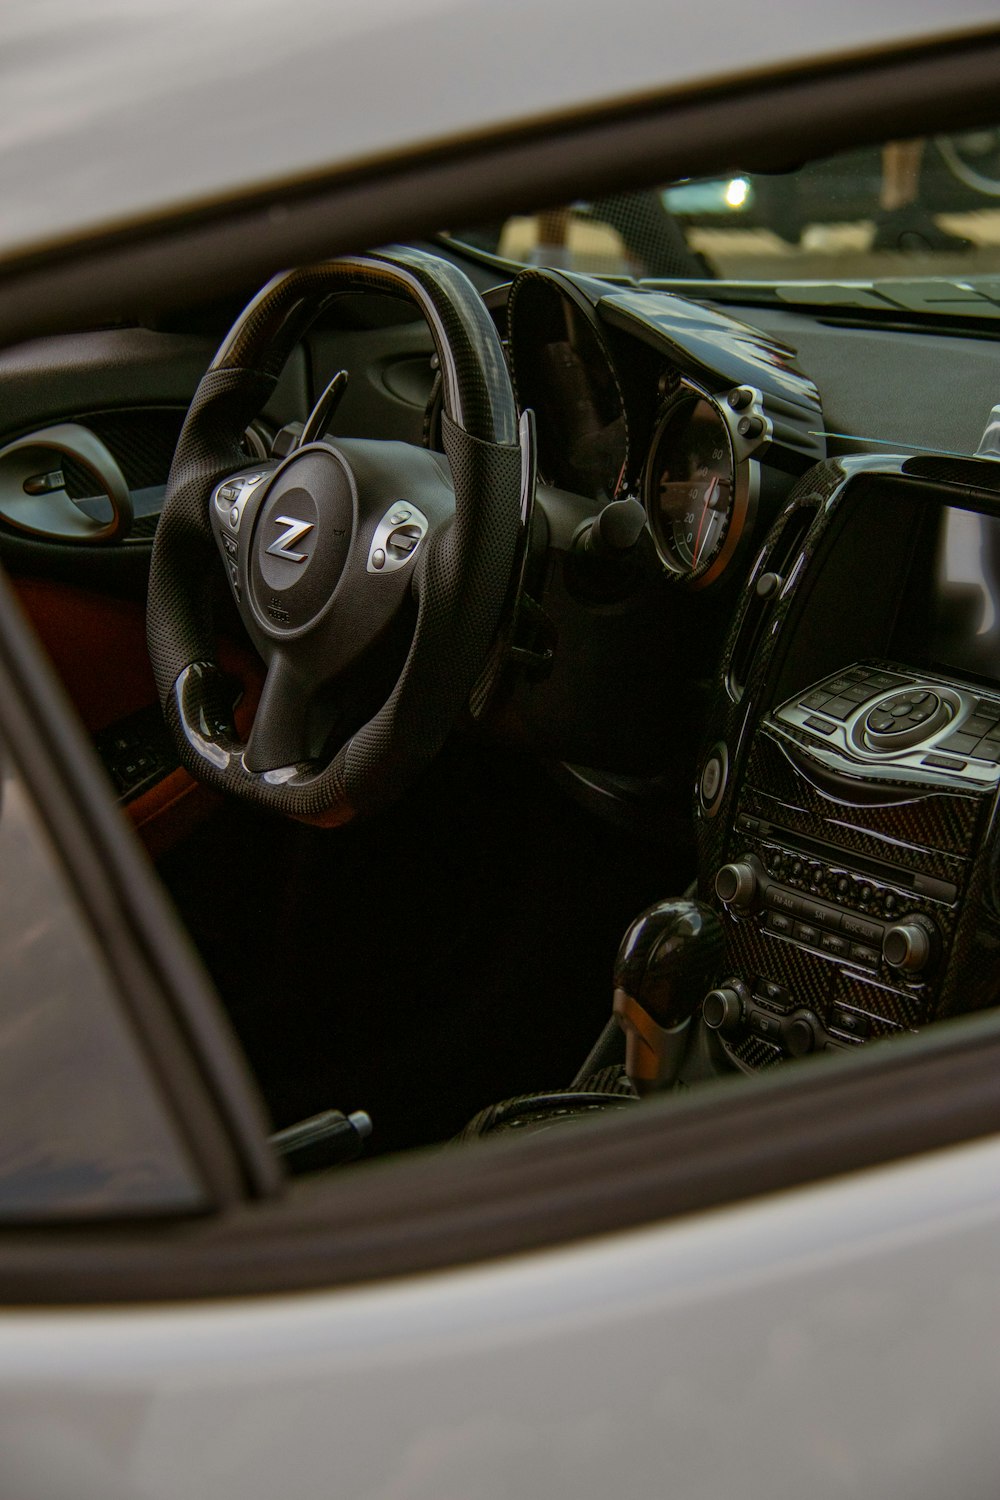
[[557, 661]]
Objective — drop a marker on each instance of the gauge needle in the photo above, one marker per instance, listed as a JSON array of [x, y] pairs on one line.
[[710, 494]]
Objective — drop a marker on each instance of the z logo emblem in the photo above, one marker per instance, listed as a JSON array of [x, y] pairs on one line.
[[294, 532]]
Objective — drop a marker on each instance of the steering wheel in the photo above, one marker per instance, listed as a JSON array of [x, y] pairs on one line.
[[335, 552]]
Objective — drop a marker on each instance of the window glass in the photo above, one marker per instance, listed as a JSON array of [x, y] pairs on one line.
[[905, 208], [82, 1129]]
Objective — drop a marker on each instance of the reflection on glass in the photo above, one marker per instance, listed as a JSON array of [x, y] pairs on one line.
[[694, 485], [82, 1132], [966, 627]]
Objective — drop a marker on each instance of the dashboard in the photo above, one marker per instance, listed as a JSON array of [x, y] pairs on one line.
[[849, 760]]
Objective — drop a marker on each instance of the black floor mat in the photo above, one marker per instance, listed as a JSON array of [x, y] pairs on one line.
[[450, 952]]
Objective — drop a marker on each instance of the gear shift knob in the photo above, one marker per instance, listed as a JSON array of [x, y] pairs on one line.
[[667, 961]]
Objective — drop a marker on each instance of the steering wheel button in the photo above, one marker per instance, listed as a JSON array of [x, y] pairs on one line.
[[404, 540], [378, 558], [399, 516]]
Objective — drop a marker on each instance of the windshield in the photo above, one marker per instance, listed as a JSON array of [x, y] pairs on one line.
[[908, 208]]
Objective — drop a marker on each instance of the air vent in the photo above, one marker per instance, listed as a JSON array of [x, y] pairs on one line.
[[768, 580]]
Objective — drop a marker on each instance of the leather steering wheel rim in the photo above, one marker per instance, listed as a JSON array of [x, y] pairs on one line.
[[460, 581]]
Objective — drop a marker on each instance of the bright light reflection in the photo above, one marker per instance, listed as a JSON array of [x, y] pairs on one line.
[[736, 192]]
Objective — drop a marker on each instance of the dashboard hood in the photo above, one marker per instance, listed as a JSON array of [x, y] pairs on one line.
[[125, 110]]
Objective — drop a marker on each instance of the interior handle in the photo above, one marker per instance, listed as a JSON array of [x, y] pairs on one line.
[[33, 495]]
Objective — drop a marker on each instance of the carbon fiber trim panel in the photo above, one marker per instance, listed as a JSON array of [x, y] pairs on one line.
[[930, 837], [921, 826]]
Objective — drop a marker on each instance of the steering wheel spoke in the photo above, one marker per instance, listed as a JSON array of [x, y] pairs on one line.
[[279, 738]]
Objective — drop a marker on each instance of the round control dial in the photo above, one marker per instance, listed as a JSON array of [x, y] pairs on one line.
[[908, 945], [737, 884], [904, 719], [802, 1033], [722, 1009]]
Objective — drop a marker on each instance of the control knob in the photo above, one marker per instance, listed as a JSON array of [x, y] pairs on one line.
[[722, 1009], [737, 885], [908, 946], [802, 1033]]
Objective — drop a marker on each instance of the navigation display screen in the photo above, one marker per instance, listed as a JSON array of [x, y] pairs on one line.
[[965, 604]]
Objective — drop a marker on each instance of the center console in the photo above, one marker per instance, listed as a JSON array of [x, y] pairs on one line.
[[846, 798]]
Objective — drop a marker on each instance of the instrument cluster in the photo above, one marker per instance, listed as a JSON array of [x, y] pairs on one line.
[[641, 393]]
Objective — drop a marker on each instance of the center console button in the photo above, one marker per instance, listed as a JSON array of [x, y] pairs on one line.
[[944, 763], [880, 721], [857, 927], [839, 708], [921, 712], [962, 744], [776, 993], [779, 899], [862, 954], [765, 1025], [815, 911], [851, 1021], [806, 933], [831, 943], [777, 921]]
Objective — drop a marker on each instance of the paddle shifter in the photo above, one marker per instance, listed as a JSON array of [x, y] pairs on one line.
[[667, 962]]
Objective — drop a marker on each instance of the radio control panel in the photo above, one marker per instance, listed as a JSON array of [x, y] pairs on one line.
[[841, 876], [890, 930]]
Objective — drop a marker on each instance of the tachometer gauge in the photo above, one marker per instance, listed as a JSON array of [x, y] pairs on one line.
[[695, 503]]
